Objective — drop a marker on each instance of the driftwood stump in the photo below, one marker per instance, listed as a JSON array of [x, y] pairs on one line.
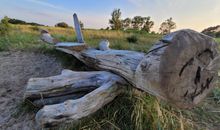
[[181, 68]]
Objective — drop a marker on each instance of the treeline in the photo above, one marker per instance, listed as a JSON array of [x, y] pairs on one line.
[[212, 31], [18, 21], [21, 22], [138, 23]]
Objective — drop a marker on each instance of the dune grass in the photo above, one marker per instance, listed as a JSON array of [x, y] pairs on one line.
[[133, 110], [24, 36], [218, 40]]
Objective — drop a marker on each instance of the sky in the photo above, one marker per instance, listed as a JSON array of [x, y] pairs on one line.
[[193, 14]]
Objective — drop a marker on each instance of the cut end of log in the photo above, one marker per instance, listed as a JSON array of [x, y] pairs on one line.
[[185, 76], [181, 68]]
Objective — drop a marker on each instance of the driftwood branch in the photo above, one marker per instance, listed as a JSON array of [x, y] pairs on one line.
[[68, 85], [73, 110]]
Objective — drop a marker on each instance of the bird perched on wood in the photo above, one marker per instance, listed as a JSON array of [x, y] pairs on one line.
[[104, 45]]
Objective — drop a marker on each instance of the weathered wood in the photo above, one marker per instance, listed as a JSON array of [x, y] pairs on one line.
[[175, 69], [78, 31], [57, 99], [73, 46], [73, 110], [68, 85], [45, 36], [181, 68], [104, 45]]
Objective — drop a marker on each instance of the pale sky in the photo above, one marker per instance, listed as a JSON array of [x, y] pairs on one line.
[[193, 14]]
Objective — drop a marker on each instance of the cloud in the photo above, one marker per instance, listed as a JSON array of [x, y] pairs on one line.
[[137, 3], [43, 3]]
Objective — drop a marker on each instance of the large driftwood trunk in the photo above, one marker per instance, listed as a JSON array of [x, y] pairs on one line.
[[178, 68], [181, 68]]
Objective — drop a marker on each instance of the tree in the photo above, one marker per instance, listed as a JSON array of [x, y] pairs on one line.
[[5, 20], [212, 31], [107, 28], [138, 22], [81, 24], [116, 22], [167, 26], [62, 25], [126, 23], [148, 24], [4, 26]]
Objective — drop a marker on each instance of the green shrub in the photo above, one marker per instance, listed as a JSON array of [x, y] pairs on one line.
[[3, 29], [62, 25], [4, 26], [216, 95], [217, 35], [132, 39]]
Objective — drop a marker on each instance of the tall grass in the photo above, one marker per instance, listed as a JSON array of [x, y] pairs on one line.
[[29, 35], [133, 110], [218, 40]]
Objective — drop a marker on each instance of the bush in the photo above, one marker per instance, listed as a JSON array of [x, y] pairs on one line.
[[62, 25], [4, 26], [216, 95], [217, 35], [16, 21], [132, 39]]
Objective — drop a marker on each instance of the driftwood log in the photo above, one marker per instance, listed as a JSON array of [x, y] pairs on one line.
[[181, 68]]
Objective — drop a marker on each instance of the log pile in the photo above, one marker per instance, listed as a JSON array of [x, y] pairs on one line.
[[181, 68]]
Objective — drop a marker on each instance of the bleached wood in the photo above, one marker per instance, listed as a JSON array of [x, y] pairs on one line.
[[104, 45], [78, 31], [73, 110], [68, 85]]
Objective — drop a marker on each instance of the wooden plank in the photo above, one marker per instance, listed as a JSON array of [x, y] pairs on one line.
[[78, 29]]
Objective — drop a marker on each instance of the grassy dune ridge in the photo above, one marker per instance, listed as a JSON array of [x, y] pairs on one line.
[[131, 110], [26, 36]]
